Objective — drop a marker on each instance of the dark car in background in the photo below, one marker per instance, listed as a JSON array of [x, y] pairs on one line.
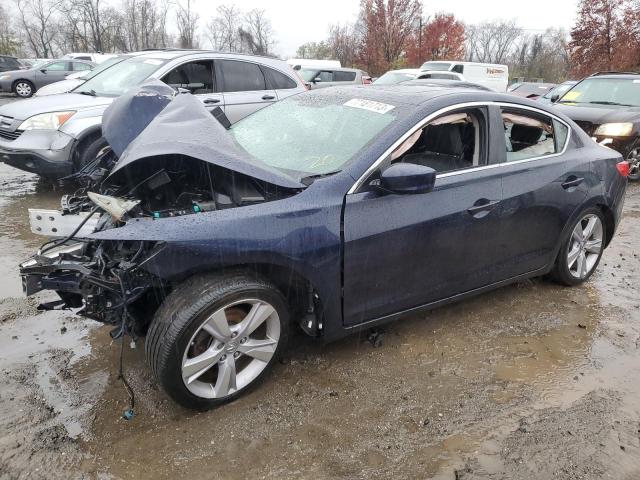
[[556, 92], [26, 82], [8, 63], [335, 210], [531, 90], [607, 107]]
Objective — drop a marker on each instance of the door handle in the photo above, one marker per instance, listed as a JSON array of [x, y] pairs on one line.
[[482, 205], [571, 182], [268, 97], [211, 100]]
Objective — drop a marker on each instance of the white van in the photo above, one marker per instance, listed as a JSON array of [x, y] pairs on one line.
[[490, 75]]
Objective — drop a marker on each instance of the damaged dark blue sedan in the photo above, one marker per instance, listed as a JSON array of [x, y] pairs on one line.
[[335, 210]]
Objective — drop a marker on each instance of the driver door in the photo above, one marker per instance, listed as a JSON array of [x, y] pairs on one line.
[[404, 251]]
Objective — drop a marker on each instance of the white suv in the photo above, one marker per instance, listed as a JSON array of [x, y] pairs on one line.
[[56, 135]]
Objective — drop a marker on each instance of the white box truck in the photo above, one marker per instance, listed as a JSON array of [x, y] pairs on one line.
[[490, 75]]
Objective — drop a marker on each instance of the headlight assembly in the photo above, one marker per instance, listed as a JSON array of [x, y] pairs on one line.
[[614, 130], [46, 121], [5, 77]]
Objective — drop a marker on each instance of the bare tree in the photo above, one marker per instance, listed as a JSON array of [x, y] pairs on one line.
[[144, 25], [256, 34], [223, 28], [39, 25], [187, 21], [9, 44], [89, 25], [344, 44], [492, 42]]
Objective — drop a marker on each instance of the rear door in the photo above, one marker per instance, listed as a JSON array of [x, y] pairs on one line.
[[282, 84], [196, 76], [244, 88], [544, 183], [53, 72]]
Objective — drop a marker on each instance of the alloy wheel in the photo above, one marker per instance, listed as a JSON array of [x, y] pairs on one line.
[[585, 246], [634, 164], [23, 89], [230, 348]]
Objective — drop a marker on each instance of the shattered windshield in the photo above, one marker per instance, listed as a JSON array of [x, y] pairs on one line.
[[310, 135]]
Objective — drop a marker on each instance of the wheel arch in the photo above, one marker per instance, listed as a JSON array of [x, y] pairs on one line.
[[300, 293], [15, 82], [609, 221]]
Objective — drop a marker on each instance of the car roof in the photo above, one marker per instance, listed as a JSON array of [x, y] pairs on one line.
[[405, 95], [624, 76], [170, 54]]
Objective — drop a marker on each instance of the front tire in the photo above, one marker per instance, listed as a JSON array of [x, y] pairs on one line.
[[89, 153], [24, 88], [215, 337], [581, 252]]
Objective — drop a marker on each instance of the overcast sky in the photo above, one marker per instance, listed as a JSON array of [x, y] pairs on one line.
[[298, 21]]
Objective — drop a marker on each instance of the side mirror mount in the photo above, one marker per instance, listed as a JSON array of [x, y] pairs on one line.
[[407, 178], [44, 70], [555, 97]]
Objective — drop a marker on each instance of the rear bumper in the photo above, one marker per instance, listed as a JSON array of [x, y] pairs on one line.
[[44, 152]]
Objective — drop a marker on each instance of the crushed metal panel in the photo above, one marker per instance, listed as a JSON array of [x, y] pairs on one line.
[[52, 223]]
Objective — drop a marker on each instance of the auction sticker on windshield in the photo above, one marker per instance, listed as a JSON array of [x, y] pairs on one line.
[[369, 105]]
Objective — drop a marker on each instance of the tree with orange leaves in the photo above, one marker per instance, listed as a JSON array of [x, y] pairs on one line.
[[441, 38], [603, 38]]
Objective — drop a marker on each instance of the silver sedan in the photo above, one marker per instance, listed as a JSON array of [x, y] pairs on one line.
[[25, 83]]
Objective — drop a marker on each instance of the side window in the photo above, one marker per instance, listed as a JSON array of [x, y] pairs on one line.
[[197, 77], [78, 67], [241, 76], [454, 141], [344, 76], [325, 76], [277, 80], [458, 69], [561, 133], [529, 134], [57, 67]]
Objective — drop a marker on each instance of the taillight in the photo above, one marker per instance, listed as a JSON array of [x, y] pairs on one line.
[[623, 168]]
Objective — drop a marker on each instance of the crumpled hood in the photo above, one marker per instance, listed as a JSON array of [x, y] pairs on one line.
[[184, 127], [599, 114], [29, 107]]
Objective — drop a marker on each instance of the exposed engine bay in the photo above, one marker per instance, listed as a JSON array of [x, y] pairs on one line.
[[106, 279]]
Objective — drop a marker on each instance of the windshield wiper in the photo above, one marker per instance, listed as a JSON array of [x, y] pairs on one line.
[[308, 180], [91, 93], [611, 103]]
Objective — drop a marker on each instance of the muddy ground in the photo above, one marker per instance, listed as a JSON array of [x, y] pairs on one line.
[[533, 381]]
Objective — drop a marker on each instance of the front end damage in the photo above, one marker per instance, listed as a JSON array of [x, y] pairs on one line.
[[183, 163]]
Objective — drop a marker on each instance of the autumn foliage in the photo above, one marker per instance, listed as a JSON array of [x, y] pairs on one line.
[[606, 37], [442, 38]]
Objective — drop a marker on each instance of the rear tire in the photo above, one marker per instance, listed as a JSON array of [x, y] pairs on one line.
[[24, 88], [215, 337], [582, 250]]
